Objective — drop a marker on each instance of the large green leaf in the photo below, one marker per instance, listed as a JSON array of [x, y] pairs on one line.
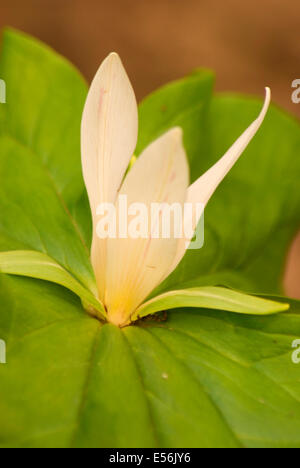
[[40, 168], [201, 378]]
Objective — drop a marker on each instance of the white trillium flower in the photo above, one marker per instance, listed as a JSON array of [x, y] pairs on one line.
[[127, 270]]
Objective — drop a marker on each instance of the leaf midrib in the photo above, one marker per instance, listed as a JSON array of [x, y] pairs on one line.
[[150, 414], [85, 387], [191, 373]]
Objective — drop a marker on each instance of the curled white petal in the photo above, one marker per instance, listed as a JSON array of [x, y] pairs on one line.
[[203, 188]]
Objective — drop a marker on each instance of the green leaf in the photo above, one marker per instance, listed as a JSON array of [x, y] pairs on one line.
[[40, 266], [211, 298], [40, 168], [201, 378]]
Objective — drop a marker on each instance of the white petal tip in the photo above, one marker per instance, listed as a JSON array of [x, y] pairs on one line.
[[111, 62], [176, 133], [112, 57], [268, 94], [265, 106]]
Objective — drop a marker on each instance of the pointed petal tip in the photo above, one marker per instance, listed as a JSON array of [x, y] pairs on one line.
[[112, 57], [268, 96], [113, 54], [176, 133], [258, 121], [111, 61], [268, 92], [173, 134]]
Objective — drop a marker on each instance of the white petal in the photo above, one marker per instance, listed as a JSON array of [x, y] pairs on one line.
[[108, 139], [203, 188], [109, 131], [136, 266]]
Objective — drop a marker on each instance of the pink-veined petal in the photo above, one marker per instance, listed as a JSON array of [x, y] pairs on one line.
[[136, 266], [108, 139]]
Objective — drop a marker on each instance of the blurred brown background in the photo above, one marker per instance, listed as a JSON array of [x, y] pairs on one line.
[[248, 44]]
